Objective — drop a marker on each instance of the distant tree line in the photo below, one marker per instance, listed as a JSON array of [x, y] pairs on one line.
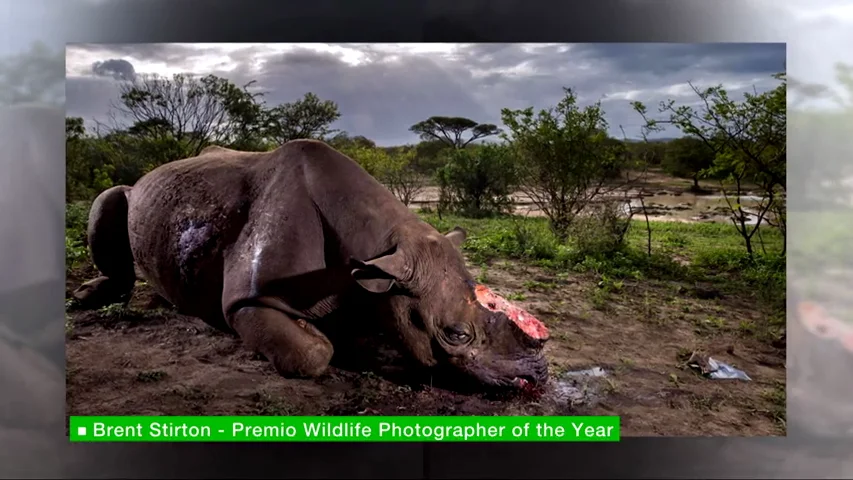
[[561, 157]]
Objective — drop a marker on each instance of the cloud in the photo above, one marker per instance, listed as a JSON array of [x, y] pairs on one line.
[[115, 68], [383, 89]]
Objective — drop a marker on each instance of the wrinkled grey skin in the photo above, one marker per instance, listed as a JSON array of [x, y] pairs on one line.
[[265, 244]]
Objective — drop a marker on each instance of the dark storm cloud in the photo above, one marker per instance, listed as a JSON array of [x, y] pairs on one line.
[[379, 100], [663, 59], [116, 68], [382, 97], [168, 53], [304, 58]]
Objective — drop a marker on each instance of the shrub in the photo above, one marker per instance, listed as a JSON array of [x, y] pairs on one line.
[[477, 181], [76, 219], [602, 231]]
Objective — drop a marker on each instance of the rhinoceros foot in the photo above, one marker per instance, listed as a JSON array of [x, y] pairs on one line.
[[100, 292]]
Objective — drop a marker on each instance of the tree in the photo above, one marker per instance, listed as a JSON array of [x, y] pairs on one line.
[[193, 111], [687, 157], [77, 168], [342, 140], [398, 174], [477, 181], [748, 139], [564, 157], [371, 159], [450, 130], [392, 167], [430, 155], [308, 117], [650, 151], [90, 165], [74, 128]]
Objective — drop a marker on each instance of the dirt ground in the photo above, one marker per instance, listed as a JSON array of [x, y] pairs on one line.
[[147, 360]]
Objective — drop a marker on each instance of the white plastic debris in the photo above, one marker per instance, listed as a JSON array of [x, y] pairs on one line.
[[715, 369], [592, 372], [720, 370]]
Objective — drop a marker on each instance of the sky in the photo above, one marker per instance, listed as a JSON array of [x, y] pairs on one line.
[[821, 30], [382, 89]]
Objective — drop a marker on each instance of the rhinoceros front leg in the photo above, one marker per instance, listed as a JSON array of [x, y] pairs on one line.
[[282, 238], [295, 347]]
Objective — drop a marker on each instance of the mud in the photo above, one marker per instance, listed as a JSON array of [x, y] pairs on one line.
[[145, 359]]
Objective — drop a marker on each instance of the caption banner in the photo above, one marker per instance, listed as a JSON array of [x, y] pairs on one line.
[[344, 429]]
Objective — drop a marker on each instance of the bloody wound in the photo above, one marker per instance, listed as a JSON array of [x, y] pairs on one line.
[[525, 321]]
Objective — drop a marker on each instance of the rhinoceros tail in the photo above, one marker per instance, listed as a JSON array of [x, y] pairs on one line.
[[109, 245]]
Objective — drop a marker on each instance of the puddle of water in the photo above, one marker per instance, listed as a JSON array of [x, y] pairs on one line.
[[663, 206]]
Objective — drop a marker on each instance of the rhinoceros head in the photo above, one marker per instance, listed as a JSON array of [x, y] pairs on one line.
[[446, 319]]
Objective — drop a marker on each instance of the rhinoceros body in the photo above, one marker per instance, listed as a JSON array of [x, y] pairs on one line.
[[264, 244]]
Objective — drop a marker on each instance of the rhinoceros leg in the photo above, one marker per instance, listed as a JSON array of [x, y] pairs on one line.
[[283, 239], [294, 347], [109, 246]]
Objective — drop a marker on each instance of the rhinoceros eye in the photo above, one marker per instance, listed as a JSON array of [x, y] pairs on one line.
[[456, 335]]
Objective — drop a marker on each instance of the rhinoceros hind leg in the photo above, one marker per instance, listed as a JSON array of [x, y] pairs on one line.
[[294, 347], [109, 245], [100, 292]]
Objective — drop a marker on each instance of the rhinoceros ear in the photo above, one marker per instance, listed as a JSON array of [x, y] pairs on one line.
[[380, 274], [457, 236]]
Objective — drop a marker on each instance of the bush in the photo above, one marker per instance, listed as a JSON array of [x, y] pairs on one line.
[[535, 241], [602, 231], [477, 181], [76, 220], [565, 156]]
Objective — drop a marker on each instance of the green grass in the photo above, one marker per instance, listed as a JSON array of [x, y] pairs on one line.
[[700, 242], [708, 245], [704, 252], [708, 252], [267, 404]]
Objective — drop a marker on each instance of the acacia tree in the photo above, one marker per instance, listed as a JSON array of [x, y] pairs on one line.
[[308, 117], [748, 139], [564, 155], [450, 130], [195, 111]]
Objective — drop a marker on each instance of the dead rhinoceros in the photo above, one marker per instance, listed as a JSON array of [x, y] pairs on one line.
[[265, 244]]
